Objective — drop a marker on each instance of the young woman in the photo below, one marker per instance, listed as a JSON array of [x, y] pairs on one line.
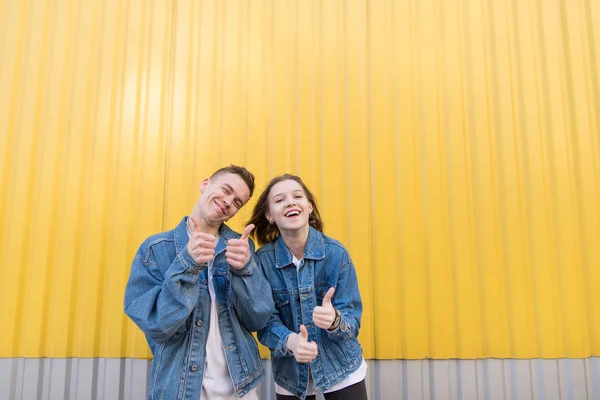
[[313, 332]]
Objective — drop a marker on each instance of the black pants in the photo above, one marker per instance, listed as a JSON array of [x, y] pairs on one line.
[[358, 391]]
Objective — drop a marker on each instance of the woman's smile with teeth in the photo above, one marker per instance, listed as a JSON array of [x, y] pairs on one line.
[[292, 213]]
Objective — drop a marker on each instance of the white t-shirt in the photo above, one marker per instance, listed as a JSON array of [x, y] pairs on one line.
[[350, 380], [216, 381]]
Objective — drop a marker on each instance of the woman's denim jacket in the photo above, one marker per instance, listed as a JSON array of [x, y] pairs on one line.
[[167, 297], [297, 292]]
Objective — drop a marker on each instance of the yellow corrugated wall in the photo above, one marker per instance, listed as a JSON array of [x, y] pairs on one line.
[[454, 147]]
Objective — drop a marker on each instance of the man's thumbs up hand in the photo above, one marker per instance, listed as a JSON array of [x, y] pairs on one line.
[[237, 252], [201, 246], [247, 231]]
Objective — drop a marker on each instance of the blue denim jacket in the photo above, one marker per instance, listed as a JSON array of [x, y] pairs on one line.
[[167, 297], [296, 293]]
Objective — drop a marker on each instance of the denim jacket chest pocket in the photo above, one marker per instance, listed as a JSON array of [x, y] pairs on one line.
[[284, 307]]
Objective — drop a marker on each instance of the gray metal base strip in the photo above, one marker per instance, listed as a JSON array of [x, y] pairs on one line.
[[110, 379]]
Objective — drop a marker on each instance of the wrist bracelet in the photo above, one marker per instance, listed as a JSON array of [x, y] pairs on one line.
[[336, 321]]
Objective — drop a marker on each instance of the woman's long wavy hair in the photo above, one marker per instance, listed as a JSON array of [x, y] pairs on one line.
[[264, 232]]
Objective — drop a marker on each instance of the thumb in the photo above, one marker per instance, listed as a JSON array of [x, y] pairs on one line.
[[303, 332], [196, 224], [328, 296], [247, 231]]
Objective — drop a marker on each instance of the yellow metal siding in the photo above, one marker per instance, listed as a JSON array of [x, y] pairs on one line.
[[454, 147]]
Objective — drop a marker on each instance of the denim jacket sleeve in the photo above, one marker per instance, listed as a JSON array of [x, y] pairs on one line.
[[160, 305], [349, 304], [274, 335], [251, 294]]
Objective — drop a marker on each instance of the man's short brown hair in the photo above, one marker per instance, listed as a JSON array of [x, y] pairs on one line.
[[242, 172]]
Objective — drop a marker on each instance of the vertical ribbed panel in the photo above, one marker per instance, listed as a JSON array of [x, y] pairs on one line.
[[454, 147], [73, 378], [83, 108], [111, 379]]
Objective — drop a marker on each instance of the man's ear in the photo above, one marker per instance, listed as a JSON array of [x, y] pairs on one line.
[[204, 184]]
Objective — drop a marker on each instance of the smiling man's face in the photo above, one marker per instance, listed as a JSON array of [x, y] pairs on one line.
[[222, 197]]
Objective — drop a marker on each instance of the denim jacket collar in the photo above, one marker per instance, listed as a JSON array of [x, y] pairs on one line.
[[181, 236], [315, 249]]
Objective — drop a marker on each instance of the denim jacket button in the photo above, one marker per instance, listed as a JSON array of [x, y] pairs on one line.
[[199, 322], [194, 368]]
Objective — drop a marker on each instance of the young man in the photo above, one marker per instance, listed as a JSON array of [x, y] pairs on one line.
[[197, 292]]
